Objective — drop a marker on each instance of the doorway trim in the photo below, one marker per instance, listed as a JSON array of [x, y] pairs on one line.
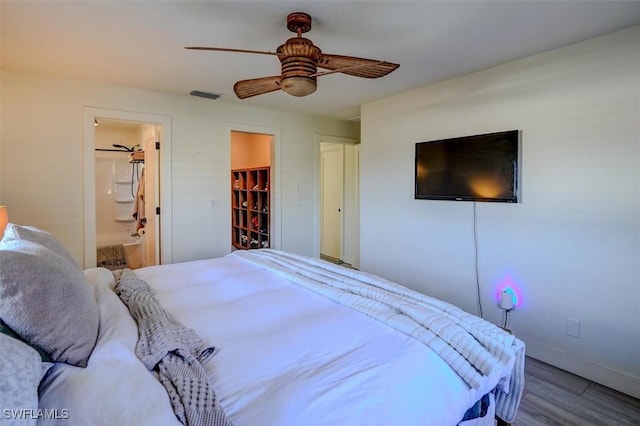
[[319, 139], [275, 180], [89, 115]]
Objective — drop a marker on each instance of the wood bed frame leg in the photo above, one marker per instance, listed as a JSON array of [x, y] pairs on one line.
[[501, 422]]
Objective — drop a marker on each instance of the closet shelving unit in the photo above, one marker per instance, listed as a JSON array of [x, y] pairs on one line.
[[250, 211]]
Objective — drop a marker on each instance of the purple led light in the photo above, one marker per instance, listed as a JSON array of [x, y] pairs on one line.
[[509, 286]]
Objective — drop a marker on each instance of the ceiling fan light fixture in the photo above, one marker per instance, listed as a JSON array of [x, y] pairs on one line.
[[300, 60], [298, 86]]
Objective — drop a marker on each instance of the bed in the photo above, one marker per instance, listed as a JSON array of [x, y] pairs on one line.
[[296, 343]]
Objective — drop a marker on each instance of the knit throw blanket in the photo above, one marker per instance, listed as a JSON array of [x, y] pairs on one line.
[[474, 348], [176, 352]]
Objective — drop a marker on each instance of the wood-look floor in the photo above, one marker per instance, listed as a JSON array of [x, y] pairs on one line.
[[556, 397]]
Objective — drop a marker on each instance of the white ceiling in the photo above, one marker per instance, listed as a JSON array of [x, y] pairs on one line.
[[140, 43]]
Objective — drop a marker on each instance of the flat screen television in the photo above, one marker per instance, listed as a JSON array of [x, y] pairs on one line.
[[470, 168]]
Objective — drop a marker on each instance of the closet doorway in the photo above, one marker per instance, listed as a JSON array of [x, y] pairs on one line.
[[123, 201], [252, 222], [339, 231]]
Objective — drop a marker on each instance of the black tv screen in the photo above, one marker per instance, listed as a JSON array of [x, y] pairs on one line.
[[469, 168]]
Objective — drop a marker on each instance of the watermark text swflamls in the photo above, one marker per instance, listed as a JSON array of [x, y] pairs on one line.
[[30, 413]]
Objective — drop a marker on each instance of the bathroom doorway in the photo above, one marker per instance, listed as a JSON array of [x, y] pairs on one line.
[[124, 175], [126, 193]]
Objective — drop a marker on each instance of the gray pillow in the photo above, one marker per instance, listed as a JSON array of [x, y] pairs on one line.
[[36, 235], [45, 299], [20, 372], [6, 330]]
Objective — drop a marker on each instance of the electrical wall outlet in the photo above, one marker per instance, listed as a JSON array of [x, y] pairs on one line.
[[572, 327]]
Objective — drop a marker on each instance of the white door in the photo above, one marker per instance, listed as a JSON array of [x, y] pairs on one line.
[[332, 184], [354, 260], [151, 134]]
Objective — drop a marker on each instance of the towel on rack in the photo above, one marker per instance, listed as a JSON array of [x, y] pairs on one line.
[[138, 208]]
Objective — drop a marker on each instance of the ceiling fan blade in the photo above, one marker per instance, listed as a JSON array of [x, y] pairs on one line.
[[256, 86], [344, 70], [224, 49], [358, 67]]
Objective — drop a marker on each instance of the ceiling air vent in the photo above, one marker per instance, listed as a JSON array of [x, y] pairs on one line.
[[205, 94]]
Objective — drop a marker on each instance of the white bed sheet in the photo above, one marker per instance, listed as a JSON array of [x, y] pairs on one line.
[[287, 356], [115, 388]]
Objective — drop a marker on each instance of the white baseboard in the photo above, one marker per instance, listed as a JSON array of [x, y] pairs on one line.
[[606, 376]]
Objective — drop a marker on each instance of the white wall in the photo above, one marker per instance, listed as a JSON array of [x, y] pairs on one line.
[[572, 246], [42, 160]]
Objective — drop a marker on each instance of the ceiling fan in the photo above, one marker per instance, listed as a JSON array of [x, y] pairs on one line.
[[300, 60]]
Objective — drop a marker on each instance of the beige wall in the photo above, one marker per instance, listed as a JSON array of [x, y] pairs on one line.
[[41, 173], [250, 150], [571, 246]]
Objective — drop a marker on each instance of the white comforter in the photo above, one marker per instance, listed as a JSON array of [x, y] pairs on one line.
[[287, 356]]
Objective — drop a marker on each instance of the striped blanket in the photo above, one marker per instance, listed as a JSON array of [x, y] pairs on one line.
[[474, 348]]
